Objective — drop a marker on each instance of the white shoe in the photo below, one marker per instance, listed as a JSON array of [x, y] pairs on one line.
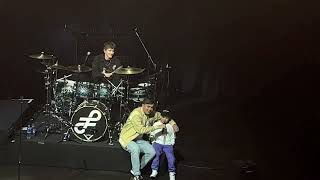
[[136, 177], [172, 175], [154, 173]]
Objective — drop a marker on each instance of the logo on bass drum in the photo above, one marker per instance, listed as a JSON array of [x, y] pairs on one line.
[[89, 124]]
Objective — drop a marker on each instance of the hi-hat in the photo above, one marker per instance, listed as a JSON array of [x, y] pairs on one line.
[[42, 56], [128, 71], [79, 68]]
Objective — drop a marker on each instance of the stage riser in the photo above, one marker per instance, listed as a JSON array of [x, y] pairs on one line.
[[70, 156], [10, 113]]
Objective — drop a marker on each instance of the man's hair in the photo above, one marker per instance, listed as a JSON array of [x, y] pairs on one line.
[[109, 45], [147, 101]]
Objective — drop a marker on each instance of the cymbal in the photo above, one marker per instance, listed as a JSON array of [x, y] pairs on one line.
[[128, 71], [42, 56], [79, 68], [56, 66]]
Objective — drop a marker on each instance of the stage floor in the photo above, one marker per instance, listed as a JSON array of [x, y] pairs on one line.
[[198, 155]]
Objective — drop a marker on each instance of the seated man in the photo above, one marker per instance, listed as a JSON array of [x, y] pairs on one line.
[[131, 135]]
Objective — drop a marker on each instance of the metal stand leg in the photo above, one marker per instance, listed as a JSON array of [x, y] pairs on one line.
[[110, 136]]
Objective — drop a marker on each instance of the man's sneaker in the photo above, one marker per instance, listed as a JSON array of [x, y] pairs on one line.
[[154, 173], [172, 175], [135, 178]]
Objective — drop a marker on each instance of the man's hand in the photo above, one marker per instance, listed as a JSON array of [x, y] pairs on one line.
[[175, 128], [107, 74]]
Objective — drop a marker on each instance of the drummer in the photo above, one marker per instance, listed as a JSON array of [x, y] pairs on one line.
[[104, 64]]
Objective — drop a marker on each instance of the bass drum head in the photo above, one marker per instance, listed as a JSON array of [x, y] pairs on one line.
[[90, 121]]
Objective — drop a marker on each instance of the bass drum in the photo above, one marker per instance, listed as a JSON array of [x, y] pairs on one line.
[[90, 120]]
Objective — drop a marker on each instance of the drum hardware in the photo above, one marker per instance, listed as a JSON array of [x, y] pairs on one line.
[[117, 88], [65, 100], [52, 125], [67, 134], [49, 77], [50, 83], [110, 137], [45, 59]]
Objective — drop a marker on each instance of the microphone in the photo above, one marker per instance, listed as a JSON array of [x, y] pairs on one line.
[[164, 131], [88, 54], [135, 29]]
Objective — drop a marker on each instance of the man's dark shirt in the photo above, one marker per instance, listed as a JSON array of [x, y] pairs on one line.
[[99, 63]]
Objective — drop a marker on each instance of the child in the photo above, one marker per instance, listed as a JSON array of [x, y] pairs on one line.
[[163, 141]]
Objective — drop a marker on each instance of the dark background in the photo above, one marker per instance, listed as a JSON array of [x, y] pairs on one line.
[[249, 65]]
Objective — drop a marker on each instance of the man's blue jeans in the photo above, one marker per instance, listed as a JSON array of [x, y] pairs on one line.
[[137, 147]]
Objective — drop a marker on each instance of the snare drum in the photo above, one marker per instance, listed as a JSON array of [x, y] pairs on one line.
[[90, 120]]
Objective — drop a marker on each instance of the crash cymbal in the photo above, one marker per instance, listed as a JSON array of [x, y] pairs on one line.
[[42, 56], [128, 71], [79, 68], [57, 66]]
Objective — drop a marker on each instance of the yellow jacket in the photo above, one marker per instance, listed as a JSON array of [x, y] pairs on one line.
[[137, 124]]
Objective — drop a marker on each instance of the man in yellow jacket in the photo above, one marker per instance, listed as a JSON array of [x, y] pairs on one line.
[[138, 123]]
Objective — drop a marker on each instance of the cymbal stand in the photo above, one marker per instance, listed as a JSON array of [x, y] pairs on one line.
[[47, 84], [123, 115], [113, 86], [73, 103], [116, 88], [127, 80]]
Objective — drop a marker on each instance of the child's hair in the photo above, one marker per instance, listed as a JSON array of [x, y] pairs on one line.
[[166, 114]]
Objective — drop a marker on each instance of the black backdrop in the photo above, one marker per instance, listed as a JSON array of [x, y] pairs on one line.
[[262, 52]]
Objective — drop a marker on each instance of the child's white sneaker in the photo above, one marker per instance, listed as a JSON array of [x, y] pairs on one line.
[[154, 173], [172, 175]]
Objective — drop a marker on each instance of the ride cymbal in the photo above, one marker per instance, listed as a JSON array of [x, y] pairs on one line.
[[128, 71]]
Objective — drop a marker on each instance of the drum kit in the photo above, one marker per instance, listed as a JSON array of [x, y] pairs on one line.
[[85, 108]]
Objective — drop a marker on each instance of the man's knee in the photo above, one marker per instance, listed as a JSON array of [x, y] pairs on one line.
[[151, 152], [134, 149]]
